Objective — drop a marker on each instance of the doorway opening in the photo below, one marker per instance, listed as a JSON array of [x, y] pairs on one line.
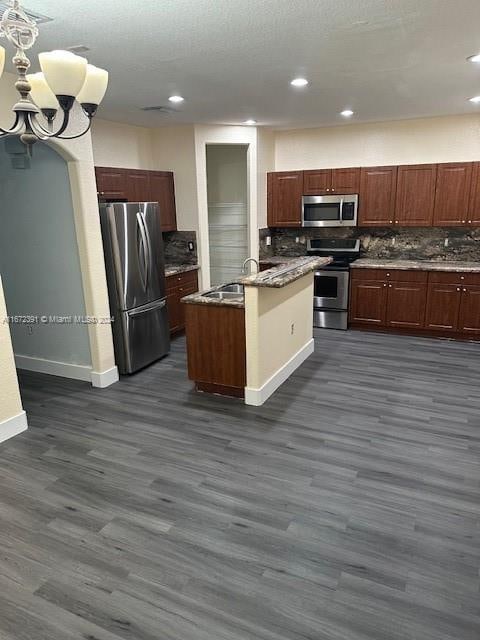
[[40, 264], [228, 214]]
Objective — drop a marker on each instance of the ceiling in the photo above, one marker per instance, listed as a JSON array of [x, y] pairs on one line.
[[234, 59]]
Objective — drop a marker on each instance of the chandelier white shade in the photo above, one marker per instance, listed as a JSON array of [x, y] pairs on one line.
[[64, 78], [94, 87], [41, 93], [64, 72]]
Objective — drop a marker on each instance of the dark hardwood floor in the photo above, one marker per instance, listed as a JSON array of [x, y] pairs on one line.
[[346, 508]]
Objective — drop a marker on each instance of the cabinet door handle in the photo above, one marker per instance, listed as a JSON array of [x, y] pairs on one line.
[[459, 288], [391, 221], [396, 221], [385, 285], [463, 221], [390, 286], [469, 222], [333, 189], [465, 291]]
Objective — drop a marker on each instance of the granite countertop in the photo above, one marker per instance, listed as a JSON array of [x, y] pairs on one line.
[[279, 259], [175, 269], [286, 272], [200, 298], [276, 277], [419, 265]]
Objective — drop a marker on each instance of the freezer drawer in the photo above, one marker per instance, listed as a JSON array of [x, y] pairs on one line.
[[145, 336]]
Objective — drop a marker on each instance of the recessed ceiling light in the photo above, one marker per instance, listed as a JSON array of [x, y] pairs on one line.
[[475, 99], [299, 82], [250, 122], [346, 113], [474, 58], [176, 99]]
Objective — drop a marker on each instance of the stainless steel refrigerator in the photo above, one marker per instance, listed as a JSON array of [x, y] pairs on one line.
[[135, 264]]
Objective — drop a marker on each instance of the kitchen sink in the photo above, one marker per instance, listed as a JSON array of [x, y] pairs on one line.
[[232, 288], [224, 295]]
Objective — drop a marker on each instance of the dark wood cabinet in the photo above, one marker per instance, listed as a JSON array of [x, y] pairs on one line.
[[420, 195], [317, 183], [284, 198], [436, 302], [216, 348], [415, 195], [406, 304], [474, 206], [452, 194], [327, 181], [111, 183], [137, 185], [368, 302], [443, 305], [469, 312], [162, 190], [346, 181], [377, 196], [178, 286]]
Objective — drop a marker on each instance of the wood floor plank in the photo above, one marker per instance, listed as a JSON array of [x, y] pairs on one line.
[[346, 508]]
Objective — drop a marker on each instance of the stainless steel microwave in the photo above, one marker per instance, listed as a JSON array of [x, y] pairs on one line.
[[329, 211]]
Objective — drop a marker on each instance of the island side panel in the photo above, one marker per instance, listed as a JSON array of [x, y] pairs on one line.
[[279, 334], [216, 348]]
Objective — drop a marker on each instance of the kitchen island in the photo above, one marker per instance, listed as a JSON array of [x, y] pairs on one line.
[[246, 338]]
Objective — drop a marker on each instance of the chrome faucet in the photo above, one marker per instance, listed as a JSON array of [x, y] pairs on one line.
[[244, 266]]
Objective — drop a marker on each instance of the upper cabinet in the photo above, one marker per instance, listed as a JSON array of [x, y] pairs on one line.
[[326, 181], [474, 208], [284, 198], [111, 183], [419, 195], [136, 185], [377, 196], [452, 194], [415, 195], [162, 190]]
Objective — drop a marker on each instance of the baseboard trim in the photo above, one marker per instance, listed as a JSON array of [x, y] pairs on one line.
[[104, 379], [256, 397], [13, 426], [53, 368]]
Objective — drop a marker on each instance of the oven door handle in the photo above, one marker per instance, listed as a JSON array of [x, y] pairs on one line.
[[341, 210]]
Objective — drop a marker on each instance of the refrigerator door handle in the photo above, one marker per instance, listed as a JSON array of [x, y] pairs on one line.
[[149, 248], [143, 235], [147, 307]]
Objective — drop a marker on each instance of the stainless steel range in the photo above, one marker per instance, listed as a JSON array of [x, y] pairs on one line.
[[332, 283]]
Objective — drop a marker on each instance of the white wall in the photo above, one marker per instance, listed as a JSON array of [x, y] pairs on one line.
[[121, 145], [265, 163], [39, 259], [10, 402], [443, 139], [173, 149]]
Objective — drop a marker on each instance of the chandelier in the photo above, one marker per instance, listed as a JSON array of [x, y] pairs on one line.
[[65, 77]]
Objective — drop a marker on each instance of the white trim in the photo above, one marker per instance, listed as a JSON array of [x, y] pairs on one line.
[[104, 378], [13, 426], [54, 368], [257, 397]]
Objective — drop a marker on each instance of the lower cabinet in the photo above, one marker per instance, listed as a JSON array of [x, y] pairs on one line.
[[368, 302], [418, 301], [179, 286]]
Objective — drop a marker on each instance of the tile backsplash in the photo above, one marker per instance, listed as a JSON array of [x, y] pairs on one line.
[[176, 247], [415, 243]]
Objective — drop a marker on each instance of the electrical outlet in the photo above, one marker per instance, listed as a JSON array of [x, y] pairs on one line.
[[297, 240], [393, 242], [445, 244], [268, 241], [191, 246]]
